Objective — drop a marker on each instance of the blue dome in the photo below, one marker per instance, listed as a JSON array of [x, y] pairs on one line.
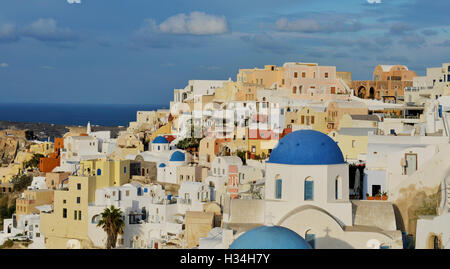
[[270, 237], [162, 165], [307, 147], [160, 140], [178, 156]]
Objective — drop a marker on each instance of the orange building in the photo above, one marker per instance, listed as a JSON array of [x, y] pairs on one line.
[[53, 160], [388, 84]]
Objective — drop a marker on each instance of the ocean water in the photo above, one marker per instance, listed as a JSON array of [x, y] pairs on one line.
[[74, 114]]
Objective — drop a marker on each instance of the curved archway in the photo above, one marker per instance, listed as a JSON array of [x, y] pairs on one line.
[[372, 93], [434, 242], [361, 93]]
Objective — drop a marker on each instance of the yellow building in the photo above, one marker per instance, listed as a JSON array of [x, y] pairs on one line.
[[44, 148], [227, 93], [69, 218], [265, 78], [352, 142], [107, 172], [163, 130], [313, 118], [261, 147], [68, 221]]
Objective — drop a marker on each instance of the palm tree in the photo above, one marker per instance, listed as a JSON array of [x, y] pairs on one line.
[[112, 223]]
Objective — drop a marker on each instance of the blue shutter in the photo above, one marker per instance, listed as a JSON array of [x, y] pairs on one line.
[[311, 239], [99, 172], [309, 190], [278, 189]]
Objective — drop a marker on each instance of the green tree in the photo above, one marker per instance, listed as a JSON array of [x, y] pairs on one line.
[[112, 223], [34, 161], [21, 182]]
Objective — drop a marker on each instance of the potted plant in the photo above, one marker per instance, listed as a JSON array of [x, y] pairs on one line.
[[384, 196], [369, 197], [378, 196]]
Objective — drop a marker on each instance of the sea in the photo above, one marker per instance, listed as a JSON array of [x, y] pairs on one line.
[[74, 114]]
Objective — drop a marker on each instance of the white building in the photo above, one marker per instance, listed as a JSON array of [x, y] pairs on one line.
[[392, 159], [435, 84], [149, 215], [306, 190]]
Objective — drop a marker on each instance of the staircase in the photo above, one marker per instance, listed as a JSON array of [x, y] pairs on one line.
[[347, 89]]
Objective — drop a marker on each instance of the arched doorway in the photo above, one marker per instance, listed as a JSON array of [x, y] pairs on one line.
[[372, 93], [361, 92], [434, 242]]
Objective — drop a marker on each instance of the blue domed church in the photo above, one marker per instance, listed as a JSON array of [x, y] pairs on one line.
[[307, 191]]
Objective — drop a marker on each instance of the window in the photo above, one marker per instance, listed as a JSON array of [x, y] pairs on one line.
[[75, 215], [79, 186], [312, 119], [353, 143], [78, 200], [302, 120], [64, 201], [303, 75], [99, 172], [309, 189], [337, 188], [79, 215], [124, 169], [294, 90], [326, 75], [295, 75], [278, 188], [65, 213]]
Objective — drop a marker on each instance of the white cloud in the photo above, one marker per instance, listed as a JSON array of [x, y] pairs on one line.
[[374, 1], [74, 1], [48, 30], [196, 23], [4, 65]]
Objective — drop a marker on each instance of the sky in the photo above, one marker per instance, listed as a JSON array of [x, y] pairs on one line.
[[138, 51]]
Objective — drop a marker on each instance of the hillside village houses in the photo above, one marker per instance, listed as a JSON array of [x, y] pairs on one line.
[[342, 163]]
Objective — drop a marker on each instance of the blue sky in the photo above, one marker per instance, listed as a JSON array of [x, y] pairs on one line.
[[138, 51]]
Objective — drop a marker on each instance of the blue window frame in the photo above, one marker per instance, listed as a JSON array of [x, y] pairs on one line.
[[311, 239], [278, 188], [309, 190], [99, 172]]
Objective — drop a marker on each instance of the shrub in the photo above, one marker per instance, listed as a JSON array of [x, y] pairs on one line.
[[22, 182], [7, 244]]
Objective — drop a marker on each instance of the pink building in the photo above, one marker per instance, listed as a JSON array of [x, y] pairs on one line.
[[302, 79]]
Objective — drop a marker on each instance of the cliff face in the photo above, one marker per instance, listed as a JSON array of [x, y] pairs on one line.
[[8, 149], [422, 189]]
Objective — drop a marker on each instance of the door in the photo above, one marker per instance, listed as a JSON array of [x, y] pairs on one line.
[[376, 189], [411, 163]]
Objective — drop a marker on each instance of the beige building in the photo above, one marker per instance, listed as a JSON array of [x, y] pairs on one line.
[[30, 199], [191, 172]]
